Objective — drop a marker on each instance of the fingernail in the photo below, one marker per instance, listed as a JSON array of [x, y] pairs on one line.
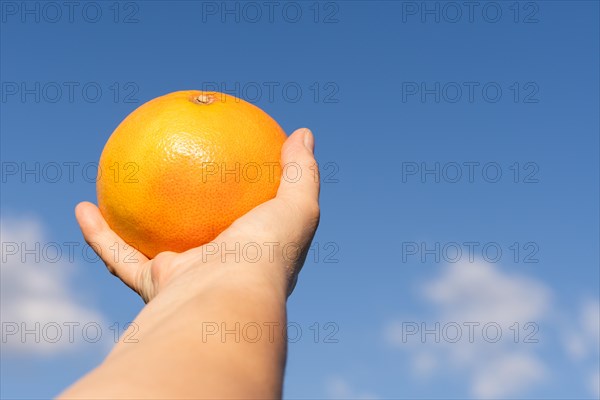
[[309, 140]]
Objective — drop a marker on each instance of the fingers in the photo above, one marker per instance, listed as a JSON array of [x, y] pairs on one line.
[[300, 178], [121, 259]]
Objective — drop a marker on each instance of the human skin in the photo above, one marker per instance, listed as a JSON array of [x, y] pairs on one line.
[[177, 354]]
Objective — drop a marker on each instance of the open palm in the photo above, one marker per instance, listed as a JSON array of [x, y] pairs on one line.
[[288, 221]]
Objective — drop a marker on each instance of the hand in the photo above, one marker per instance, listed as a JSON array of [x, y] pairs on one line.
[[291, 217]]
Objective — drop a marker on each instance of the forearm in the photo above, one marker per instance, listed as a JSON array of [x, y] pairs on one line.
[[188, 293], [217, 338]]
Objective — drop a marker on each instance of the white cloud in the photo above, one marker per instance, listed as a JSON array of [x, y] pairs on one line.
[[594, 383], [581, 341], [393, 333], [575, 346], [424, 364], [507, 375], [339, 388], [35, 293], [479, 293], [590, 320]]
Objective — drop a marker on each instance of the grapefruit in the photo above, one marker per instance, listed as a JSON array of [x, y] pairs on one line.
[[182, 167]]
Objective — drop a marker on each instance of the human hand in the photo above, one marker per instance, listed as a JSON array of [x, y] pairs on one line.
[[291, 217]]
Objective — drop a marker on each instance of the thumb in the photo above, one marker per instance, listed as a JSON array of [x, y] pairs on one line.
[[299, 185]]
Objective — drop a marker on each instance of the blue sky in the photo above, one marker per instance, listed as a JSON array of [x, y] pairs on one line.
[[440, 127]]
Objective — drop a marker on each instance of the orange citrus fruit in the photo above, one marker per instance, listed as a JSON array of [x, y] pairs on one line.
[[182, 167]]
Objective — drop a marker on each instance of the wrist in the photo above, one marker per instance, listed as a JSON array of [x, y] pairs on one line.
[[268, 280]]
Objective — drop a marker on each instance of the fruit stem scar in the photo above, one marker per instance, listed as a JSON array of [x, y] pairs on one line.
[[204, 99]]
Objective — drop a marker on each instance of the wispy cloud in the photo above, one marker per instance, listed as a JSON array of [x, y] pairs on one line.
[[39, 311], [581, 341], [594, 383], [482, 292], [484, 326], [340, 388], [507, 375]]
